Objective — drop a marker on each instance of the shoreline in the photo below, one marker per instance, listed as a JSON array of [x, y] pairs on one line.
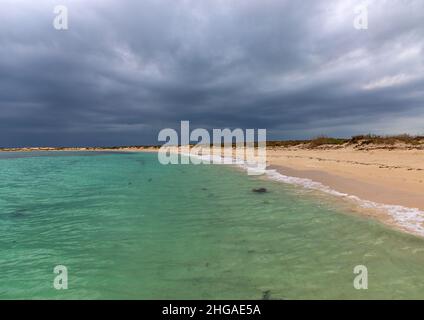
[[385, 185], [361, 189], [389, 177], [402, 218], [46, 149]]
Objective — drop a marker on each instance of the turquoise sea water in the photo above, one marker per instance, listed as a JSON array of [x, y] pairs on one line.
[[127, 227]]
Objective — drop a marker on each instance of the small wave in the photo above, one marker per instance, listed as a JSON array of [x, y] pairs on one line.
[[411, 219]]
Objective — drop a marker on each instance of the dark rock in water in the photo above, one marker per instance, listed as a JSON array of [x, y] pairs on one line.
[[266, 295], [19, 214], [260, 190], [150, 180]]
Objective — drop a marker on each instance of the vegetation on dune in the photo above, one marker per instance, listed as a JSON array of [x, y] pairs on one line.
[[387, 140], [359, 140]]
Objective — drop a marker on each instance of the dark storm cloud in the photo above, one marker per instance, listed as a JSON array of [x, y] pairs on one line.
[[126, 69]]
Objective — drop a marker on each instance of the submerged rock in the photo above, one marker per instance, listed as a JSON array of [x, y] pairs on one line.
[[266, 295], [260, 190], [19, 213]]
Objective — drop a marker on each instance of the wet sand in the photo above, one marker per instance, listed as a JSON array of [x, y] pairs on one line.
[[394, 177]]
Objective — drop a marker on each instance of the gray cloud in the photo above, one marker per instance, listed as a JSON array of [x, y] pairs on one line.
[[126, 69]]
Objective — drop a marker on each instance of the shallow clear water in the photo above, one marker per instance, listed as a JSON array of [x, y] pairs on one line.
[[128, 227]]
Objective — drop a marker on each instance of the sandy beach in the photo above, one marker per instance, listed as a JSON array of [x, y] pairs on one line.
[[393, 177], [385, 175], [386, 181]]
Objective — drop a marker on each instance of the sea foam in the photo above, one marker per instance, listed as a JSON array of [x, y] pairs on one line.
[[410, 219]]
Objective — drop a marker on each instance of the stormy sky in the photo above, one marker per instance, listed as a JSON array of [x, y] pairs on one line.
[[125, 69]]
